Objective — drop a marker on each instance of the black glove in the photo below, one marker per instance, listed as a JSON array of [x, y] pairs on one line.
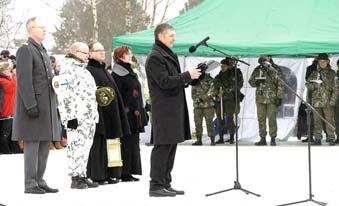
[[148, 107], [278, 102], [72, 124], [33, 112]]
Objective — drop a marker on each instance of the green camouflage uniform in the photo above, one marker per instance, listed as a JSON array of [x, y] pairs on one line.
[[336, 116], [323, 98], [269, 93], [226, 81], [203, 105]]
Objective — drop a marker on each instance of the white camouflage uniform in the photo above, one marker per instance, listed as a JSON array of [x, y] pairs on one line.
[[75, 88]]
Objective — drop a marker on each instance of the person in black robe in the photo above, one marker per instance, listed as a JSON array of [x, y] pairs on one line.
[[130, 90], [113, 122]]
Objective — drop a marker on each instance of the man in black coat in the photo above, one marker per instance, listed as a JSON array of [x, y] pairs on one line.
[[113, 122], [35, 116], [170, 123]]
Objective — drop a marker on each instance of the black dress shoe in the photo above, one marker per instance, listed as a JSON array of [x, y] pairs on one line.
[[48, 189], [129, 178], [35, 190], [89, 183], [161, 193], [112, 181], [102, 182], [178, 192], [134, 178]]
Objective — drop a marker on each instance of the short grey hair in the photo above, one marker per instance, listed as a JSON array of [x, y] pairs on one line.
[[162, 28]]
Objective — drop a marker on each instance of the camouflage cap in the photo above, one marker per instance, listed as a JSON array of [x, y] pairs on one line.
[[323, 56], [226, 61]]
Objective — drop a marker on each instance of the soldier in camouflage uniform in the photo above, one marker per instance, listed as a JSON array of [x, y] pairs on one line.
[[269, 94], [75, 88], [224, 87], [321, 84], [336, 116], [202, 95]]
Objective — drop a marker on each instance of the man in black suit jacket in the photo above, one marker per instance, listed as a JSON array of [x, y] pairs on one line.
[[170, 123]]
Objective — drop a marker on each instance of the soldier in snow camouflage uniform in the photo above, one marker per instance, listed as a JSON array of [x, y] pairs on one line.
[[75, 88], [269, 94], [321, 85], [203, 108]]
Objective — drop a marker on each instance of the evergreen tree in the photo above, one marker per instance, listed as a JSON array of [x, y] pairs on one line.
[[112, 15]]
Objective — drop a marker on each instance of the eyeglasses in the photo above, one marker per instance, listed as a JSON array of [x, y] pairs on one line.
[[39, 27], [82, 52], [100, 50]]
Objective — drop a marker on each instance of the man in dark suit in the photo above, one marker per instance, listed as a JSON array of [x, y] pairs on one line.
[[170, 123], [35, 116]]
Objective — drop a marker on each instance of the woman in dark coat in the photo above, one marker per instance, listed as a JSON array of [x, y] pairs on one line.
[[112, 124], [130, 90]]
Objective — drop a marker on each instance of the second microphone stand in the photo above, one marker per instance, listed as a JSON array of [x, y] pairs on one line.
[[237, 185], [309, 109]]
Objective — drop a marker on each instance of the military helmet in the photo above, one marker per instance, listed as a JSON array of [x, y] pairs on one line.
[[104, 96]]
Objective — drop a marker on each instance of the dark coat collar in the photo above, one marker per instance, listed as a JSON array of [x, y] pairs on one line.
[[36, 44], [166, 52], [95, 63]]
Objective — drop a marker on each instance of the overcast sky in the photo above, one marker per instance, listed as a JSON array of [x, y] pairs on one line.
[[49, 9]]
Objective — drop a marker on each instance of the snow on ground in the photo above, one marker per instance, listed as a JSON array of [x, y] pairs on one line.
[[279, 174]]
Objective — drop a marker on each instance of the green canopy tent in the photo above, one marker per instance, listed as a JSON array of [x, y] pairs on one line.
[[251, 28]]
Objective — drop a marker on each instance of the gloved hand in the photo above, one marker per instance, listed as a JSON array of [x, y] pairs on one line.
[[33, 112], [148, 107], [72, 124], [278, 102]]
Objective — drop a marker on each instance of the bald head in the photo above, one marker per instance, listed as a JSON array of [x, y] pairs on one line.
[[80, 50]]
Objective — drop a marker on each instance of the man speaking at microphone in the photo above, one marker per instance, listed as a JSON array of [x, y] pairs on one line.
[[170, 121]]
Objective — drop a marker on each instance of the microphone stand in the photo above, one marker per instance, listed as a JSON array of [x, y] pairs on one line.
[[309, 109], [237, 185]]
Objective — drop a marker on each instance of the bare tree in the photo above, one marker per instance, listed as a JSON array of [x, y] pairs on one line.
[[168, 3], [8, 28]]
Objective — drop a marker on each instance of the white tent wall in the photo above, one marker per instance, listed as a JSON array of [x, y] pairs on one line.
[[294, 70]]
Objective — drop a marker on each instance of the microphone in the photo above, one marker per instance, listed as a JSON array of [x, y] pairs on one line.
[[202, 42]]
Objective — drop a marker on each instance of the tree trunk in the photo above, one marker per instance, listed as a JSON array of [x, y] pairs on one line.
[[95, 20], [128, 16]]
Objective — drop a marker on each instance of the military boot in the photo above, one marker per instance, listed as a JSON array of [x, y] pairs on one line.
[[221, 139], [331, 142], [77, 183], [198, 142], [337, 140], [212, 140], [306, 140], [262, 142], [231, 140], [316, 142], [273, 141]]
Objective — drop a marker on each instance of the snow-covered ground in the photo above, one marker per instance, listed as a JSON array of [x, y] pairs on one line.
[[279, 174]]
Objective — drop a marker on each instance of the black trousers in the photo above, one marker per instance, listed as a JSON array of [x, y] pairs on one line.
[[162, 161], [7, 146]]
